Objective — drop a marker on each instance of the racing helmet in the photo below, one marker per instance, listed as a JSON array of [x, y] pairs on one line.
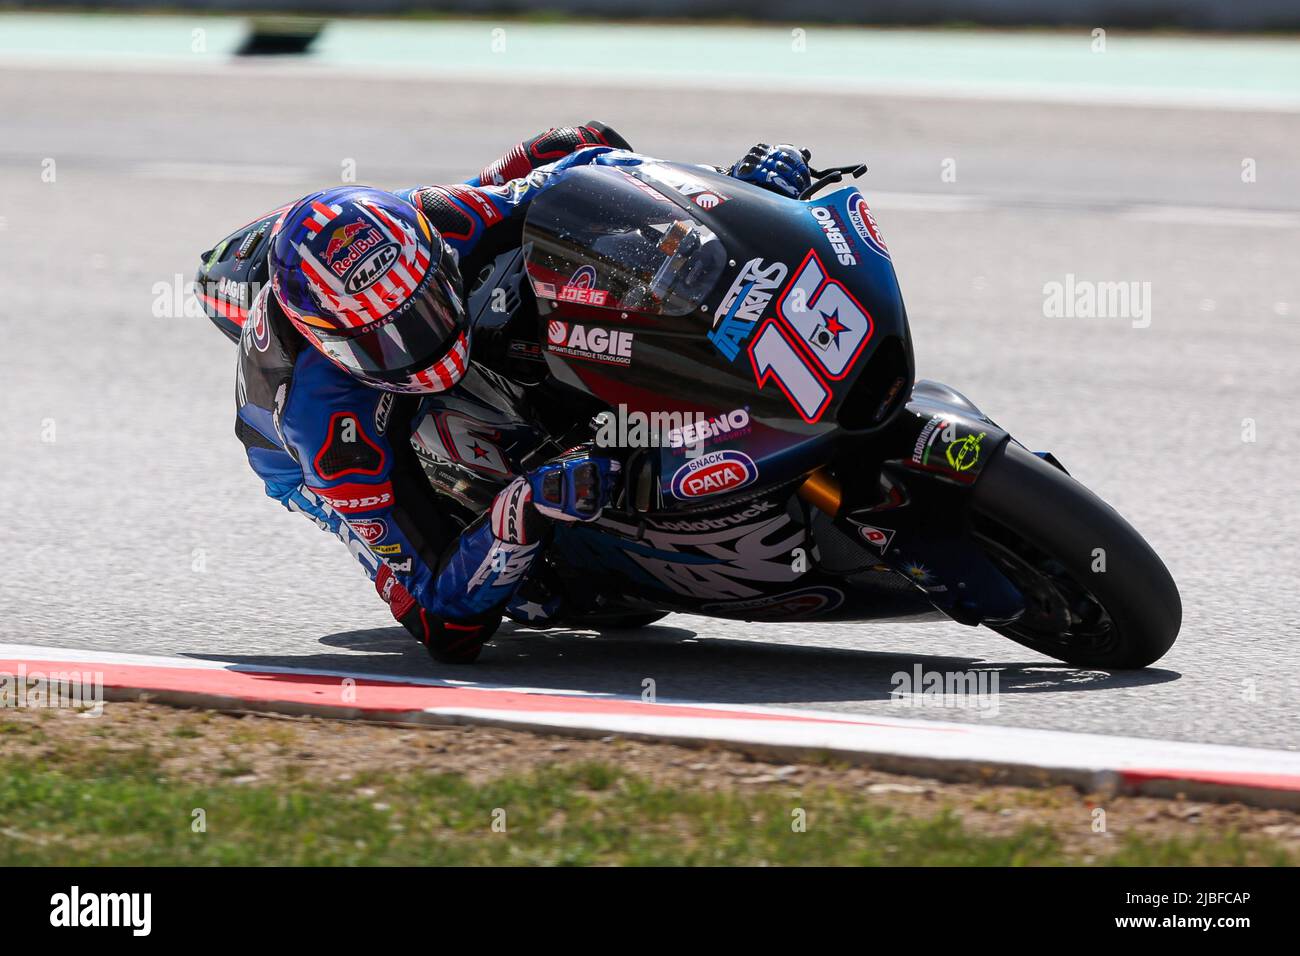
[[365, 278]]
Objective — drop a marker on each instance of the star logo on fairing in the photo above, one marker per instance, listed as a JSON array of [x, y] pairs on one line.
[[833, 325], [478, 450]]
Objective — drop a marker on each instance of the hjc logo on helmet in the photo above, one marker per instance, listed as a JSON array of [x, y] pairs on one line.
[[368, 271]]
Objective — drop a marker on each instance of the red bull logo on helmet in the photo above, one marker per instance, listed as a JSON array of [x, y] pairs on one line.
[[341, 238], [351, 241]]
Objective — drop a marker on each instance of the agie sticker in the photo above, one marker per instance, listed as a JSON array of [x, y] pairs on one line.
[[595, 344]]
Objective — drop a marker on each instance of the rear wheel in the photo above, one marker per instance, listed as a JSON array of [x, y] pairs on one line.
[[1096, 594]]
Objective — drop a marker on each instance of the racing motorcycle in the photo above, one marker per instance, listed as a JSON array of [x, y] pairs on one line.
[[747, 357]]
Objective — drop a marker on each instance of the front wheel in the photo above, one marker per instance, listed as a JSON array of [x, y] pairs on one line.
[[1096, 595]]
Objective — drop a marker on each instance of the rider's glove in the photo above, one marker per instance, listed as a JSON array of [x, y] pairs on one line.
[[780, 168], [447, 642], [547, 147], [574, 487]]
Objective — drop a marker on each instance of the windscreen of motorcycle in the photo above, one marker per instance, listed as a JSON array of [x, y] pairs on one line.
[[608, 240]]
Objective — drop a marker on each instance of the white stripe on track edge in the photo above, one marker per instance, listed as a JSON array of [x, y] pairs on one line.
[[979, 752]]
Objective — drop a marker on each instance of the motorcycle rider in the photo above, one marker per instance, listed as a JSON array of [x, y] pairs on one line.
[[363, 320]]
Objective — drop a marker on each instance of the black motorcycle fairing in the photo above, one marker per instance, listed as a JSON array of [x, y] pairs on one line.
[[234, 271], [733, 562], [738, 355]]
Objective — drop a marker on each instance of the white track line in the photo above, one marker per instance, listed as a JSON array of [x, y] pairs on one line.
[[930, 748]]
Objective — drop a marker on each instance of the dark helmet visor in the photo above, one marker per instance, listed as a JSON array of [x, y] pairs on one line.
[[409, 340]]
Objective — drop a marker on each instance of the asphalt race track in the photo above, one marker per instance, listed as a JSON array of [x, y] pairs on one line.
[[132, 523]]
